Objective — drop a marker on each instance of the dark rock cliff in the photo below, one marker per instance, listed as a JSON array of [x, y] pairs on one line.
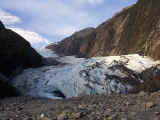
[[16, 54]]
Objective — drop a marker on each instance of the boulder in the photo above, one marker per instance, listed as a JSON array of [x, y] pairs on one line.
[[151, 82]]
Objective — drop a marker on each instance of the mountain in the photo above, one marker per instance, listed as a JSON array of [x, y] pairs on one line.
[[73, 45], [135, 29], [16, 54]]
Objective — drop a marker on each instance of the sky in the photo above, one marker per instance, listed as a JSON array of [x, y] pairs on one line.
[[42, 22]]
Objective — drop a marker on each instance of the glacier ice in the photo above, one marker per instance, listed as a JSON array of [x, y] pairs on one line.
[[83, 76]]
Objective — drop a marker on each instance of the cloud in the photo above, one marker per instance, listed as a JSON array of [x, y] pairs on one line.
[[8, 18], [95, 1], [57, 19], [52, 17], [65, 31], [36, 40], [92, 1]]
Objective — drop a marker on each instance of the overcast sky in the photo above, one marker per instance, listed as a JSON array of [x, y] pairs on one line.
[[45, 21]]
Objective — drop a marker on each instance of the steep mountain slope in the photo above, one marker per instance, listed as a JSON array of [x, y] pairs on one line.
[[133, 30], [75, 44], [16, 54]]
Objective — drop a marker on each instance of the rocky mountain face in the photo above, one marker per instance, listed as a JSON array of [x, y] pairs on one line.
[[135, 29], [15, 55], [76, 44]]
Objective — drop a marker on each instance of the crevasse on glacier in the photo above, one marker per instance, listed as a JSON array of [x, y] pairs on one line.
[[81, 76]]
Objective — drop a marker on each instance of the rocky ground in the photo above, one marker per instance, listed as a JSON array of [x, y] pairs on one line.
[[141, 106]]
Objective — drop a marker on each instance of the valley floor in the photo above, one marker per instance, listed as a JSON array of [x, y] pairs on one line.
[[141, 106]]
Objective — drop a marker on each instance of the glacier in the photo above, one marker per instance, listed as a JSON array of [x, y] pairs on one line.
[[83, 76]]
